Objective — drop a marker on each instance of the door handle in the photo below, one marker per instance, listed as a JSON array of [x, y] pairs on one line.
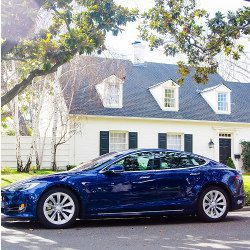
[[144, 177], [196, 173]]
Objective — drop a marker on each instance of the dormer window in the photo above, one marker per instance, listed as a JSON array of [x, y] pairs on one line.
[[219, 98], [169, 98], [110, 91], [112, 94], [167, 95], [222, 102]]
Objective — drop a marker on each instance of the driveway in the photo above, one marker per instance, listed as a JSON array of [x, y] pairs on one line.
[[142, 233]]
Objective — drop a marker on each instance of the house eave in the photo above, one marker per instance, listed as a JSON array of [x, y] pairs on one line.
[[159, 119]]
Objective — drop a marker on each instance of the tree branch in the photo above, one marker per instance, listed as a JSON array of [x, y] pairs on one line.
[[6, 98]]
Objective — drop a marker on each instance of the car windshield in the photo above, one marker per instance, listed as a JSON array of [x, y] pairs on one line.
[[95, 162]]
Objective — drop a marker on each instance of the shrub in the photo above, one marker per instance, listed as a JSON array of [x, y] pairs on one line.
[[68, 167], [245, 154], [247, 198], [33, 169], [7, 170], [230, 163]]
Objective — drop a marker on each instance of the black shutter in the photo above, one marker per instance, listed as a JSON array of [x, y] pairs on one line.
[[162, 140], [132, 141], [188, 143], [104, 142]]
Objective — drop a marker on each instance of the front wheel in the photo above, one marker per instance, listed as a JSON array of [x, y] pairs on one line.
[[213, 204], [58, 208]]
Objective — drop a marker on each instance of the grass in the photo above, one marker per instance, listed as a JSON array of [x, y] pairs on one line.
[[10, 175], [246, 180]]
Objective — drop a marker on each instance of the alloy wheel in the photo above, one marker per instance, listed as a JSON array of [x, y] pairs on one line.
[[59, 208], [214, 204]]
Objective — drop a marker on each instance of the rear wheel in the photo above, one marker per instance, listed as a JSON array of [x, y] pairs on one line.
[[213, 204], [58, 208]]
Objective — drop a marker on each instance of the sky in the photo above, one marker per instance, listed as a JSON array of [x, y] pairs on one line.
[[121, 47]]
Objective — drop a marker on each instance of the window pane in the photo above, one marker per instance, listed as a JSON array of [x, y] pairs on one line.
[[168, 160], [138, 162], [169, 99], [222, 102], [112, 95], [118, 141], [172, 160], [174, 142]]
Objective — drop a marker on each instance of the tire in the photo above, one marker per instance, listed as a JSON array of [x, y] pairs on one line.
[[213, 204], [54, 214]]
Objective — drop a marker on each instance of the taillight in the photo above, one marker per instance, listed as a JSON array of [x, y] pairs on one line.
[[238, 177]]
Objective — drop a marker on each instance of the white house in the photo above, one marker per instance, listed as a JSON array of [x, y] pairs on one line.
[[120, 104]]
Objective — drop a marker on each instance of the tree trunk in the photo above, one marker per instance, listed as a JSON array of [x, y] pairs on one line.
[[17, 131], [54, 166], [55, 120], [26, 169]]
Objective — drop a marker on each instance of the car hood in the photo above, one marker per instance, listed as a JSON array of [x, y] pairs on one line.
[[61, 176]]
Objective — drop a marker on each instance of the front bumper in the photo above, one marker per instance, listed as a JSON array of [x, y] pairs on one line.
[[18, 204]]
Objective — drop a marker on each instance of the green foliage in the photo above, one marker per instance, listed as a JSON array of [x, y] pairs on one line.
[[246, 181], [76, 27], [181, 27], [33, 169], [245, 154], [68, 167], [230, 163], [7, 170]]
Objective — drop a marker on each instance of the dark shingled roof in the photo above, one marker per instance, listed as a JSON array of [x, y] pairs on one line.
[[83, 99]]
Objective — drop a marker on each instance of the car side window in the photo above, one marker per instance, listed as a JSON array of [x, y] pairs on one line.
[[138, 161], [173, 160], [167, 160], [187, 161]]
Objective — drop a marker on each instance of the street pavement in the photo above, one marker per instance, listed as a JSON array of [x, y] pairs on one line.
[[139, 233]]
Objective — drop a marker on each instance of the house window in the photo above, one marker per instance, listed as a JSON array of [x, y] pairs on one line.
[[174, 141], [222, 102], [112, 96], [169, 98], [118, 141]]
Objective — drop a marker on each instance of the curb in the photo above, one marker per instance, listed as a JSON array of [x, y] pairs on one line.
[[244, 209]]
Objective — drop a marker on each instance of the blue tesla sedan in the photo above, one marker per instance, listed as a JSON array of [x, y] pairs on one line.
[[140, 182]]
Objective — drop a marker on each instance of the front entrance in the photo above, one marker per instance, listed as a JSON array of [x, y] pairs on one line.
[[225, 149]]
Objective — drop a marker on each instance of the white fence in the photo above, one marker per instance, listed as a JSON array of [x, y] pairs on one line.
[[8, 152]]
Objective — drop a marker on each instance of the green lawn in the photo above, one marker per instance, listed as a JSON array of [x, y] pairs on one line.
[[12, 176], [246, 179]]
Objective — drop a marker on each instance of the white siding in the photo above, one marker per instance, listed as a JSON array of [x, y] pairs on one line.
[[8, 152], [87, 145]]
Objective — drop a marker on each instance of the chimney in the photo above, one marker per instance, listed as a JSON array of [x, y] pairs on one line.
[[139, 53]]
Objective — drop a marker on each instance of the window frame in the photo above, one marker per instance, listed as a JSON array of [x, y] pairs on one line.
[[176, 98], [119, 132], [107, 92], [224, 103], [182, 140], [173, 91]]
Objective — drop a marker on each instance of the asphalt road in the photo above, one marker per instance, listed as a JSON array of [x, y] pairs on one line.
[[140, 233]]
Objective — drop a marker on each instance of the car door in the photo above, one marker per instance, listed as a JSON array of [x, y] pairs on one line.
[[132, 190], [176, 178], [142, 179], [112, 193]]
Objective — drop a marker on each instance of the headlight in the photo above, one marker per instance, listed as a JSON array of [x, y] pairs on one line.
[[23, 186]]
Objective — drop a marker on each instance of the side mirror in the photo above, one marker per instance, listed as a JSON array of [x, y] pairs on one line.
[[115, 169]]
